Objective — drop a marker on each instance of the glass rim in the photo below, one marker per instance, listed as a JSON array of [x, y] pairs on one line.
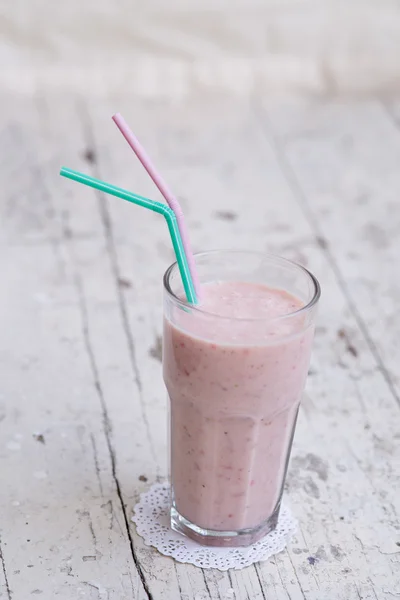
[[184, 304]]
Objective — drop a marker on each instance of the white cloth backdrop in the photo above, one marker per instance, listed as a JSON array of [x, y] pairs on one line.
[[176, 47]]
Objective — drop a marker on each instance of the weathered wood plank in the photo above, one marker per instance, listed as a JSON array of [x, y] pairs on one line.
[[62, 528], [119, 379], [342, 160]]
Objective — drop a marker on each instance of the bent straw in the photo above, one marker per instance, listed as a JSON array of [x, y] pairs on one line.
[[164, 189], [158, 207]]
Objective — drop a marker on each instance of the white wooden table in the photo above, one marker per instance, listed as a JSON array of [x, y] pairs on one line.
[[82, 404]]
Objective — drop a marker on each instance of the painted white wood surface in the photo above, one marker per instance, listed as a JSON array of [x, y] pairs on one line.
[[82, 404]]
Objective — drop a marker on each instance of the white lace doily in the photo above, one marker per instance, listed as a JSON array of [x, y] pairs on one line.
[[151, 516]]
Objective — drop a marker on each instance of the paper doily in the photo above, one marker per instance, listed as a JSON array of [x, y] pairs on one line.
[[151, 516]]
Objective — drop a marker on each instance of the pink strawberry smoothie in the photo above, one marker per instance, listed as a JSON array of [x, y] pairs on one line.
[[235, 383]]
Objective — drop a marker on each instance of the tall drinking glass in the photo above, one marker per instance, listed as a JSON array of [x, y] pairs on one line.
[[235, 383]]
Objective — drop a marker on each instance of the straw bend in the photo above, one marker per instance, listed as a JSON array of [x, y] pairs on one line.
[[157, 207]]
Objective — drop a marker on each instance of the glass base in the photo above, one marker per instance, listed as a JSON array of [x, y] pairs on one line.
[[223, 539]]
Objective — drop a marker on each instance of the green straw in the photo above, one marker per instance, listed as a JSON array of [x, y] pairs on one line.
[[158, 207]]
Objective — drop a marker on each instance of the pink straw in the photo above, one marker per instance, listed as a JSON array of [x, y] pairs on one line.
[[165, 191]]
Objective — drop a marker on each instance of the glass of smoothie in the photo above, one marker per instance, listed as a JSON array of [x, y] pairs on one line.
[[235, 367]]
